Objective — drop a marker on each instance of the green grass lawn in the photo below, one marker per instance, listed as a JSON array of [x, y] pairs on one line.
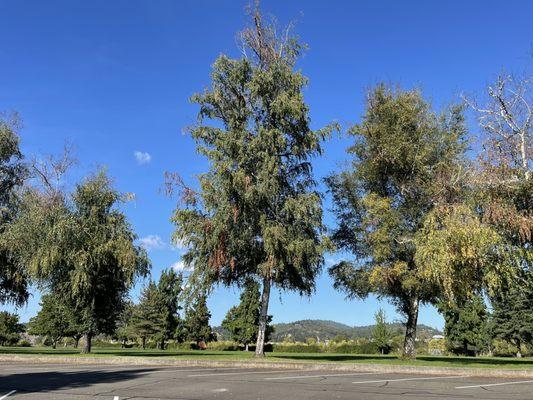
[[437, 361]]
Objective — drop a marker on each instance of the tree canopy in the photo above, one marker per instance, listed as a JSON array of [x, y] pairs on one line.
[[404, 156], [257, 213], [80, 246], [13, 172]]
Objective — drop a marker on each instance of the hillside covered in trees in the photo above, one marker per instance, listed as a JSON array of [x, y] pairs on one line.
[[328, 330]]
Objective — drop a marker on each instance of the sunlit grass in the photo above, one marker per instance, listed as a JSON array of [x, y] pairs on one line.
[[436, 361]]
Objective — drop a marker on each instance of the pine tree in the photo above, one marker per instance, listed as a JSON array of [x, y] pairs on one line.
[[257, 214], [512, 317], [197, 321], [170, 288], [242, 320], [381, 334], [149, 317], [466, 326]]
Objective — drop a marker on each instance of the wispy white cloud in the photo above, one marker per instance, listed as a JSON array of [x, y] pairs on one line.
[[142, 157], [180, 266], [152, 242]]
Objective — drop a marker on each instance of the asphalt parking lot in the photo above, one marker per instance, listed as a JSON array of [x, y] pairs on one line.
[[78, 382]]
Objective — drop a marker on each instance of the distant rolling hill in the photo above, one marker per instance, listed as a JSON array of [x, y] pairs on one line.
[[327, 330]]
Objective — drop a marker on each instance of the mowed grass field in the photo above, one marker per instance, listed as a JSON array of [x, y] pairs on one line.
[[435, 361]]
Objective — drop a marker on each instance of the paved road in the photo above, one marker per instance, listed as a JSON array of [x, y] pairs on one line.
[[71, 382]]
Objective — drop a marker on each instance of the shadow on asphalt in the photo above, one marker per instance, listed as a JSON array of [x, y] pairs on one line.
[[467, 361], [56, 380]]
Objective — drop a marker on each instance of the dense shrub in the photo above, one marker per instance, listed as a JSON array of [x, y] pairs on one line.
[[353, 348], [296, 348]]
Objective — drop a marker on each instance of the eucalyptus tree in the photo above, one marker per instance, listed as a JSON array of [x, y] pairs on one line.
[[80, 246], [257, 213], [404, 158], [13, 172]]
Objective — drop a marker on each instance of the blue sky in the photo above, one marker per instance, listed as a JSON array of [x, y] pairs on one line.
[[114, 78]]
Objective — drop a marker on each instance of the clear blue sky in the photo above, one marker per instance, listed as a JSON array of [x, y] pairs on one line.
[[114, 78]]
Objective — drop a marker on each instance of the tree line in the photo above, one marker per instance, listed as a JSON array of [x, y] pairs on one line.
[[424, 216]]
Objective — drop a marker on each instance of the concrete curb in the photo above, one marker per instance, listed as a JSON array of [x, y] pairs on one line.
[[330, 366]]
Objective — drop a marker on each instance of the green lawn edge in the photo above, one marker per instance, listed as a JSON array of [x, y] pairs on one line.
[[211, 355]]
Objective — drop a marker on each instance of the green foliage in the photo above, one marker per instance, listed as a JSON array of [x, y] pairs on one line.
[[197, 321], [466, 326], [125, 330], [462, 254], [403, 158], [13, 278], [53, 319], [257, 214], [81, 247], [242, 321], [170, 288], [512, 317], [149, 317], [381, 334], [10, 328]]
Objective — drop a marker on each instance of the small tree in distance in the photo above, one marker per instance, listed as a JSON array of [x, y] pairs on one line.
[[10, 328], [51, 321], [381, 334], [242, 320], [197, 321]]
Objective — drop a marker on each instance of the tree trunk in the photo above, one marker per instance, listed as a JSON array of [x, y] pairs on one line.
[[76, 341], [88, 343], [263, 318], [54, 344], [143, 342], [246, 347], [410, 328], [465, 347], [162, 344], [519, 350]]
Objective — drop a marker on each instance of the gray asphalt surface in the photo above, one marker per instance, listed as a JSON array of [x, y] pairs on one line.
[[78, 382]]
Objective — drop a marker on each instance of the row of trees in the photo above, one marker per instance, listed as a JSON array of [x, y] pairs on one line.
[[425, 222], [154, 318], [471, 328]]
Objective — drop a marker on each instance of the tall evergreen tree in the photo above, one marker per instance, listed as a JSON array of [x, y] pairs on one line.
[[13, 278], [403, 156], [125, 325], [512, 317], [257, 214], [242, 320], [81, 247], [197, 320], [466, 326], [149, 317], [170, 288], [381, 334]]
